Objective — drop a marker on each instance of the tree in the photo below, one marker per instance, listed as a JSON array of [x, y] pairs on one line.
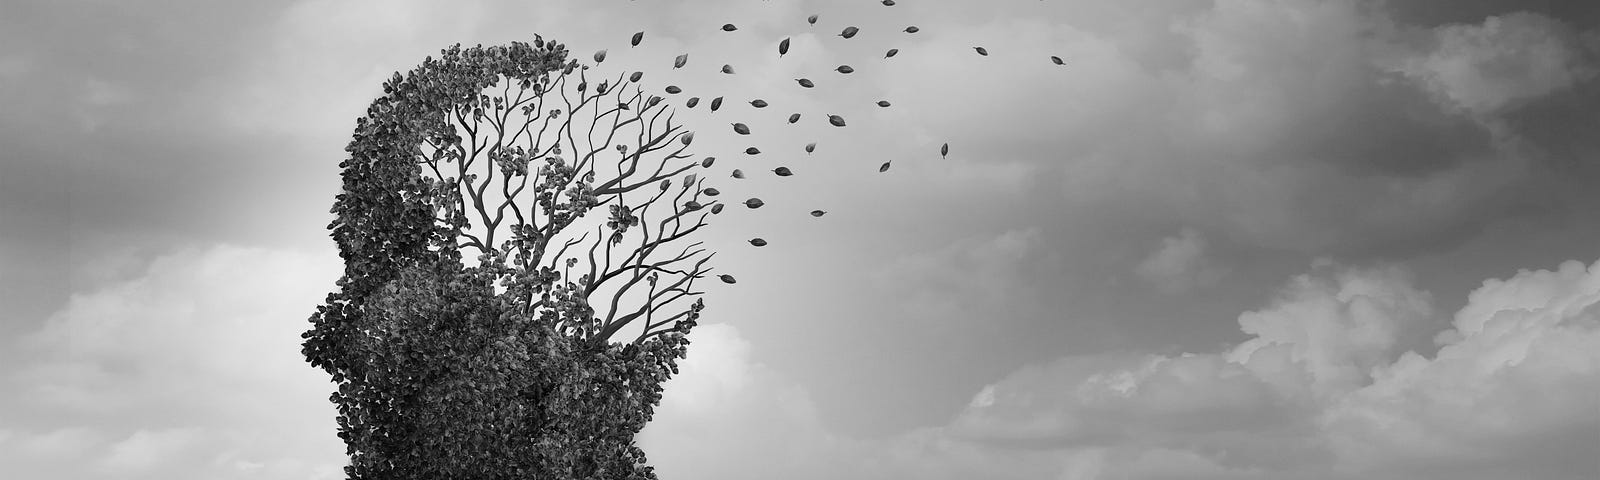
[[483, 327]]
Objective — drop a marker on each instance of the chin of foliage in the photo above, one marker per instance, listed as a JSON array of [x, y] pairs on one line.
[[501, 369]]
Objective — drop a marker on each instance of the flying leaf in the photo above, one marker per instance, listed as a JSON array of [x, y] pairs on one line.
[[1057, 60], [673, 89], [836, 120], [811, 147], [728, 27], [758, 103], [805, 82], [849, 32], [794, 118], [635, 77], [754, 203], [741, 129], [818, 213], [811, 19], [888, 3], [752, 151], [728, 69], [727, 279], [944, 150], [716, 209], [892, 52], [758, 241], [884, 168], [680, 61], [638, 37], [782, 171], [599, 56], [845, 69], [711, 192], [707, 162], [783, 47], [982, 51], [692, 102], [716, 103], [738, 173], [913, 29], [883, 103]]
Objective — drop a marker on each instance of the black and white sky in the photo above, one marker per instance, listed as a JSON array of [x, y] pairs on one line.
[[1232, 239]]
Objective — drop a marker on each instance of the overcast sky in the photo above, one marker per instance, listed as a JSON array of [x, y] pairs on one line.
[[1286, 239]]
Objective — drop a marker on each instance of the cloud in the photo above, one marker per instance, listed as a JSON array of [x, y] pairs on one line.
[[1180, 264], [1502, 62], [191, 367], [1320, 390]]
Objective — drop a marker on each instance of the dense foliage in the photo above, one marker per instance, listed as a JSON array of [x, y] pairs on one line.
[[460, 356]]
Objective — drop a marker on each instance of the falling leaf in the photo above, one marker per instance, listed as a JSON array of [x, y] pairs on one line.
[[805, 83], [680, 61], [883, 168], [673, 89], [836, 120], [758, 241], [716, 209], [892, 52], [944, 150], [728, 27], [794, 118], [754, 203], [845, 69], [635, 77], [849, 32], [811, 147], [716, 103], [783, 47], [638, 37], [883, 103], [728, 69], [1057, 60], [758, 103], [752, 151], [741, 129], [707, 162], [782, 171], [913, 29], [888, 3], [982, 51], [818, 213], [727, 279], [811, 19], [599, 56], [739, 174], [692, 102], [711, 192]]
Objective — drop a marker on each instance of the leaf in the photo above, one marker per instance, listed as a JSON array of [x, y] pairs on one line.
[[716, 209], [818, 213], [836, 120], [758, 241], [849, 32], [892, 52], [673, 89], [884, 168], [687, 137], [794, 118], [728, 27], [783, 47], [811, 19], [811, 147], [727, 279], [805, 83], [728, 69], [752, 151], [635, 77], [754, 203], [692, 102], [707, 162], [981, 51], [1057, 60], [883, 103], [680, 61], [637, 37], [599, 56], [739, 174], [944, 150], [782, 171], [758, 103], [716, 103], [711, 192], [845, 69], [741, 129]]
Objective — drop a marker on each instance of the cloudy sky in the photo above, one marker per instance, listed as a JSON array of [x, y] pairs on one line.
[[1275, 239]]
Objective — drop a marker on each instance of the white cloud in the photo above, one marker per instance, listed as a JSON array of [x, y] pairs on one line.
[[1506, 60], [1319, 391], [1180, 264], [191, 368]]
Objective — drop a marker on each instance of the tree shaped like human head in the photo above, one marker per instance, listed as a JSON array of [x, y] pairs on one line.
[[484, 327]]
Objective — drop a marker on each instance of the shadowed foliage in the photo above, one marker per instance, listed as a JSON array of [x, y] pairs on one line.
[[477, 331]]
